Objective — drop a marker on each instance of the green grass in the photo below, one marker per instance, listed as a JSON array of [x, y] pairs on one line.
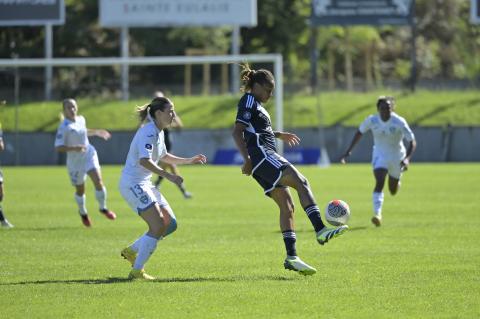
[[426, 108], [225, 260]]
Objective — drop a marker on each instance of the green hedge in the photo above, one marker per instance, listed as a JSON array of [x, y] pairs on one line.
[[425, 108]]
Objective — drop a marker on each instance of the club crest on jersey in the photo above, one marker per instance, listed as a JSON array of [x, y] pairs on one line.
[[148, 146], [247, 115]]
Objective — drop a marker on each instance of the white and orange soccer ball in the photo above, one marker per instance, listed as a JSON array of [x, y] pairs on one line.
[[337, 212]]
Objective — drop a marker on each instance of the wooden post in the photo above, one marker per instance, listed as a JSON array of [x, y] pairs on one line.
[[224, 79]]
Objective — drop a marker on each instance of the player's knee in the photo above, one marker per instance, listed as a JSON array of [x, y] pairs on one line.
[[393, 190], [303, 181], [172, 226]]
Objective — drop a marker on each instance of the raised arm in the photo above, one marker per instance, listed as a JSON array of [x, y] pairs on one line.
[[100, 133]]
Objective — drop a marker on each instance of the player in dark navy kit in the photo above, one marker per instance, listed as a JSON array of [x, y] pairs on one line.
[[255, 141]]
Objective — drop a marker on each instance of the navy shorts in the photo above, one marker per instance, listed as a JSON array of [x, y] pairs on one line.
[[267, 169]]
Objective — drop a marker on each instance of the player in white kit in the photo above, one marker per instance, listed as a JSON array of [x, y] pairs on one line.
[[82, 160], [389, 155], [4, 223], [147, 147]]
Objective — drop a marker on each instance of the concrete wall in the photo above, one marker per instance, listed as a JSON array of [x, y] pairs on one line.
[[459, 144]]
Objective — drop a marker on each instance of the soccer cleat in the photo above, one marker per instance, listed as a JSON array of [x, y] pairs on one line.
[[136, 274], [296, 264], [6, 224], [86, 220], [187, 195], [377, 221], [129, 254], [108, 213], [326, 234]]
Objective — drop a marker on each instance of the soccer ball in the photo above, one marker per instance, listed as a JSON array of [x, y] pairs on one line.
[[337, 212]]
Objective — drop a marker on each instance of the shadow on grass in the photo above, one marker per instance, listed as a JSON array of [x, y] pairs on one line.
[[116, 280], [52, 228], [358, 228], [305, 230]]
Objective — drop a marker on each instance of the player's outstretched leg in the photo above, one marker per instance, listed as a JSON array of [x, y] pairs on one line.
[[326, 234]]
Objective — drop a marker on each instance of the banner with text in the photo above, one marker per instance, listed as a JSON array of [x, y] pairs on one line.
[[31, 12], [355, 12], [151, 13]]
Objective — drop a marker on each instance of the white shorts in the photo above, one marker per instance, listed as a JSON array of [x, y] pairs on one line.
[[78, 169], [142, 196], [392, 165]]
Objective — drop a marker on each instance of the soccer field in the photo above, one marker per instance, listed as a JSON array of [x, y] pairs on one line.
[[226, 258]]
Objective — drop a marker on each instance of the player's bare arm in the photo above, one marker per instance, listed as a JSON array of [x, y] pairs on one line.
[[154, 168], [242, 148], [74, 148], [348, 152], [100, 133], [172, 159], [290, 138]]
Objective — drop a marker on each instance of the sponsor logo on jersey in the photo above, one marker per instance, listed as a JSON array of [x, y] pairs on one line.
[[148, 146], [144, 199]]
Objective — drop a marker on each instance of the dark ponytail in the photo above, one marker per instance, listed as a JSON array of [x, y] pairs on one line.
[[249, 77]]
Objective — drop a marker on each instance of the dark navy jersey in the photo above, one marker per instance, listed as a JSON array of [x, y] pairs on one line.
[[258, 133]]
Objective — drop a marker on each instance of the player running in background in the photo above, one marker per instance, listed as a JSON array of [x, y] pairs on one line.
[[389, 155], [146, 149], [3, 221], [82, 160], [176, 123], [255, 140]]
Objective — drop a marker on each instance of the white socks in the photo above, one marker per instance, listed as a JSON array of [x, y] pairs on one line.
[[82, 209], [101, 197], [146, 246], [136, 244], [377, 199]]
